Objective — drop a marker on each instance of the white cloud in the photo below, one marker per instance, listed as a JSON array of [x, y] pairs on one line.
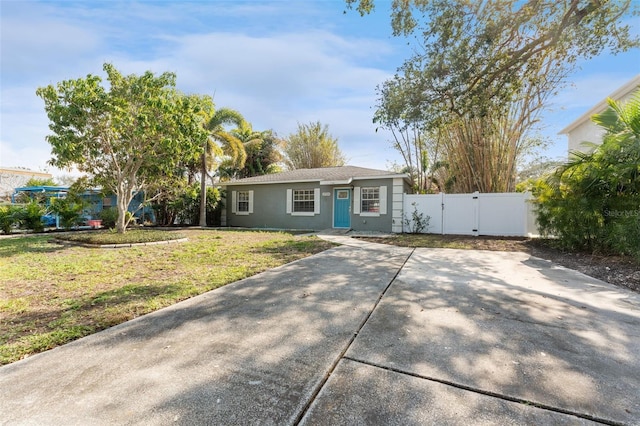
[[35, 41], [285, 79], [278, 63], [585, 92]]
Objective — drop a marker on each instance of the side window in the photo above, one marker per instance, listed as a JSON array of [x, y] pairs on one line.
[[242, 202], [370, 198], [303, 202]]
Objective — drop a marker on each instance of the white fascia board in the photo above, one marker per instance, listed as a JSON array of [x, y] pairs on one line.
[[269, 183], [319, 181], [393, 176], [336, 182]]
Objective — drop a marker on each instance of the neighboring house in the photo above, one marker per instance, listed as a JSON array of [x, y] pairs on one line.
[[345, 197], [585, 130], [94, 199], [11, 178]]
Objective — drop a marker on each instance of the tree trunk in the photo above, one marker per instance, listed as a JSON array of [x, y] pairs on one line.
[[203, 192], [121, 204], [124, 195]]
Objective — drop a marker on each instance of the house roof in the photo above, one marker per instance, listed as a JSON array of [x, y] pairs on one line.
[[26, 172], [325, 176], [623, 91]]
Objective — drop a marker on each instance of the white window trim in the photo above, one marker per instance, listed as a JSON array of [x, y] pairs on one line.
[[234, 203], [316, 203], [357, 202]]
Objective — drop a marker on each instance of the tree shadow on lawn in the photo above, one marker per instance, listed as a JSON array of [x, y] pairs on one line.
[[256, 351], [87, 314], [10, 247]]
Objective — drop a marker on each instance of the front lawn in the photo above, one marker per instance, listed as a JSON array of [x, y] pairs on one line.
[[51, 294]]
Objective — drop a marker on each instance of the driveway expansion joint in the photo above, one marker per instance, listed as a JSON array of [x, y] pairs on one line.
[[341, 356], [487, 393]]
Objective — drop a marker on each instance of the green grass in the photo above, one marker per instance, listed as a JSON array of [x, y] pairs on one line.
[[464, 242], [51, 294], [132, 236]]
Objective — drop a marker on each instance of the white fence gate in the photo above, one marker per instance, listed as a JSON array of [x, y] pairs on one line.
[[499, 214]]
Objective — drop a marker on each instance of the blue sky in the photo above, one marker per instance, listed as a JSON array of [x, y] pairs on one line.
[[277, 62]]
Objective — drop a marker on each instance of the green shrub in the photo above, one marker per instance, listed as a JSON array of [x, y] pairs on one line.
[[184, 207], [108, 217], [593, 202], [30, 216], [9, 216], [69, 210], [418, 222]]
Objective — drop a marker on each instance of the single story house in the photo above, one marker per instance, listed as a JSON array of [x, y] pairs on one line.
[[345, 197]]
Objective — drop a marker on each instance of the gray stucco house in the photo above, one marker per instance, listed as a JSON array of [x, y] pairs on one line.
[[345, 197]]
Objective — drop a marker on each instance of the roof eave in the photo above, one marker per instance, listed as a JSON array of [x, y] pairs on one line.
[[320, 181], [631, 85], [337, 182]]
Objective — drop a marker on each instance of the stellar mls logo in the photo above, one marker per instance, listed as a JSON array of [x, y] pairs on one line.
[[622, 213]]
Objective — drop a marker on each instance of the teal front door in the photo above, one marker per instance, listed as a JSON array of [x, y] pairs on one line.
[[341, 208]]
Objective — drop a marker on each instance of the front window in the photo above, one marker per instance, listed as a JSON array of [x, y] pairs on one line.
[[243, 201], [370, 199], [303, 200]]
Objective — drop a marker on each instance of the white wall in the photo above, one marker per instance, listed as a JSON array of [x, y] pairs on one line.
[[586, 132], [499, 214]]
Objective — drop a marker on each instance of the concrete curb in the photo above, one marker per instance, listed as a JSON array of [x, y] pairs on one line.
[[152, 243]]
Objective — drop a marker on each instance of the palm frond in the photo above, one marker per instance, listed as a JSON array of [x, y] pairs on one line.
[[224, 116]]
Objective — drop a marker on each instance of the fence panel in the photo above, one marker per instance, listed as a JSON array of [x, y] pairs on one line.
[[428, 205], [460, 214], [500, 214]]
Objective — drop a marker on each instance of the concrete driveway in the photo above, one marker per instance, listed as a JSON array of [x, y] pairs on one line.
[[359, 334]]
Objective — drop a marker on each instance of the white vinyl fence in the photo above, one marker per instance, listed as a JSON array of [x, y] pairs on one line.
[[500, 214]]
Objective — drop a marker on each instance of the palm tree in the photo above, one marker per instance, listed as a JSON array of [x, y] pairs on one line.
[[252, 142], [262, 148], [220, 144]]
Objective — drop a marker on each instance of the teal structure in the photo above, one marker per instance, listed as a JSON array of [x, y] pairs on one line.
[[96, 202]]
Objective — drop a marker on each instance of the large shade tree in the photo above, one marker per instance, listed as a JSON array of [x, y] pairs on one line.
[[125, 136], [483, 71]]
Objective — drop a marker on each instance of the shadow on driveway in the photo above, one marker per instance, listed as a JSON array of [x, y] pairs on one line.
[[354, 335]]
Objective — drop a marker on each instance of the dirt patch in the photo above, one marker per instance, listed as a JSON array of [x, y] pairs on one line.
[[617, 270]]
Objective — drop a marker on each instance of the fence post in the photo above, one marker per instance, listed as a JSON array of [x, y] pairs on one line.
[[476, 213], [442, 213]]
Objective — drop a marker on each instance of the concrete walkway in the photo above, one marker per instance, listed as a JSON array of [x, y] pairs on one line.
[[359, 334]]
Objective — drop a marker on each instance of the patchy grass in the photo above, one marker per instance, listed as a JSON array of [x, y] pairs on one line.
[[132, 236], [51, 294], [464, 242]]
